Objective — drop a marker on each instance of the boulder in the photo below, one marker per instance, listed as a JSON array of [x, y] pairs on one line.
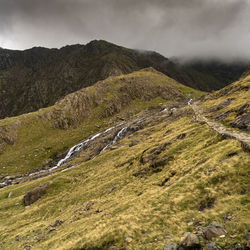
[[212, 246], [215, 229], [191, 241], [170, 246], [57, 223], [35, 194]]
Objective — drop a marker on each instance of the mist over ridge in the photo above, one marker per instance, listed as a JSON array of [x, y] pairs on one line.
[[183, 29]]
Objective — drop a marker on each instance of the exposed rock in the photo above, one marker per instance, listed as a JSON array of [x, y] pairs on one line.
[[128, 239], [97, 211], [27, 247], [159, 162], [243, 109], [248, 244], [212, 246], [207, 203], [113, 147], [156, 165], [170, 246], [35, 194], [181, 136], [121, 118], [191, 241], [10, 194], [89, 205], [245, 147], [247, 236], [228, 216], [199, 231], [110, 190], [215, 229], [40, 237], [129, 162], [221, 105], [223, 116], [57, 223], [242, 123], [18, 237], [166, 179]]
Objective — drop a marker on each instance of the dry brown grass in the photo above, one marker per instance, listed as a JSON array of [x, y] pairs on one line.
[[140, 208]]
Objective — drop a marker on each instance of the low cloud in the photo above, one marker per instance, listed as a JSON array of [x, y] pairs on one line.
[[181, 28]]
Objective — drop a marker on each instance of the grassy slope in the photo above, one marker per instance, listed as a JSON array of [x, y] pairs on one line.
[[201, 168], [37, 138], [241, 97]]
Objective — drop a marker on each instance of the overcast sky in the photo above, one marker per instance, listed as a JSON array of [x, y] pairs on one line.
[[187, 28]]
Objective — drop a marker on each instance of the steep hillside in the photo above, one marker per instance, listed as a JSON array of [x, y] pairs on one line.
[[246, 73], [221, 73], [160, 177], [39, 77], [231, 105], [35, 140]]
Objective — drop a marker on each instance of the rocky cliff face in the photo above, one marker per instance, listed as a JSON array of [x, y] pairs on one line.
[[39, 77]]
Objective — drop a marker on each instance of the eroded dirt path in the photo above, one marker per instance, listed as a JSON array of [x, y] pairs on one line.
[[242, 137]]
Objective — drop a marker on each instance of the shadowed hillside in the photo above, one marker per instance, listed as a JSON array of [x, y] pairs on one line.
[[39, 77]]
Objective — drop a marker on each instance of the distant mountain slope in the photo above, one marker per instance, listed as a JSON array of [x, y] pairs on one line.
[[39, 77], [218, 73], [246, 73]]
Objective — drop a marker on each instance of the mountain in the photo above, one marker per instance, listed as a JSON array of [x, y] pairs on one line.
[[136, 161], [222, 73], [50, 131], [246, 73], [38, 77]]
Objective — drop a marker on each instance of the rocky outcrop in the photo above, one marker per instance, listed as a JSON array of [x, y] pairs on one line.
[[191, 241], [170, 246], [212, 246], [8, 134], [111, 96], [35, 194], [214, 230], [242, 123]]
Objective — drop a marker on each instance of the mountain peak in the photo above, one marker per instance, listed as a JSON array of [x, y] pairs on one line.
[[38, 77], [98, 46]]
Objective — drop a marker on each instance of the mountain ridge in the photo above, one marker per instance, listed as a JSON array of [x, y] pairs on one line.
[[38, 77]]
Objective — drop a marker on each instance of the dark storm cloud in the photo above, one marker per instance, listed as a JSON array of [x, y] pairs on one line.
[[188, 28]]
